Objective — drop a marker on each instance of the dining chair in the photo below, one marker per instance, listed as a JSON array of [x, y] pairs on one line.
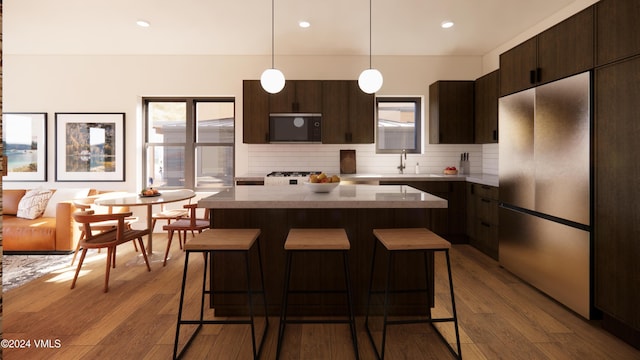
[[182, 225], [86, 204], [108, 239]]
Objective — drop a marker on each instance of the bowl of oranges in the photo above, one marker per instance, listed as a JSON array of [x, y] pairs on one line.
[[322, 183]]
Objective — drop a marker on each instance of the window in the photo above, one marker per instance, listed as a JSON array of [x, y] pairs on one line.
[[399, 124], [189, 142]]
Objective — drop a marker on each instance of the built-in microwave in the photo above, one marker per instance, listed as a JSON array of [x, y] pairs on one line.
[[295, 127]]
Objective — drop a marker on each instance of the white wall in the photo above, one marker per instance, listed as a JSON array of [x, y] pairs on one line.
[[58, 83]]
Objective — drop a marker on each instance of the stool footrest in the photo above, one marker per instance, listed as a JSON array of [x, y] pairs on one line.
[[213, 322], [418, 321], [317, 291], [317, 321], [219, 292], [400, 291]]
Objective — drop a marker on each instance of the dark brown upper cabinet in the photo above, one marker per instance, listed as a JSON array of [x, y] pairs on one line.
[[255, 108], [486, 108], [303, 96], [451, 112], [347, 113], [617, 30], [560, 51]]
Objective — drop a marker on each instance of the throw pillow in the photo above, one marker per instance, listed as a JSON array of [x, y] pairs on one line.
[[33, 203], [63, 195]]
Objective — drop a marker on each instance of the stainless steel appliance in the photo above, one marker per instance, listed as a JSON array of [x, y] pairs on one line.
[[295, 127], [545, 189], [288, 177]]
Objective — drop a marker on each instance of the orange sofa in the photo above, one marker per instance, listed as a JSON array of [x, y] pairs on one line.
[[57, 234]]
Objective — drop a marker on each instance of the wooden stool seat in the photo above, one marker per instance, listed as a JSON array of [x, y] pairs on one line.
[[223, 239], [317, 239], [410, 239]]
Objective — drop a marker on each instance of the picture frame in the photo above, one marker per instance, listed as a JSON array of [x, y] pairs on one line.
[[24, 140], [90, 146]]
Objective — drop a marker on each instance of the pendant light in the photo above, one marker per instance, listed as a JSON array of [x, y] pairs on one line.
[[272, 80], [370, 80]]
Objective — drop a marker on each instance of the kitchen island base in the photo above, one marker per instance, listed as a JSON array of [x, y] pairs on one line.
[[323, 271]]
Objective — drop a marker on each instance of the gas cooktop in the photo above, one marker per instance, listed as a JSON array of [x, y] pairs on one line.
[[291, 173]]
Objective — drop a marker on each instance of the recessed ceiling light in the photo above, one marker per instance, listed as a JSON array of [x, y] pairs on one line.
[[143, 23], [446, 24], [304, 24]]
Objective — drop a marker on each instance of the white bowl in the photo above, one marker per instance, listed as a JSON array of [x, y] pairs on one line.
[[321, 187]]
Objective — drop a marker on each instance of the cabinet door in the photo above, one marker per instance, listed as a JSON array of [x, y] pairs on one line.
[[255, 110], [451, 112], [361, 115], [486, 108], [566, 48], [298, 96], [308, 96], [347, 113], [617, 30], [617, 195], [516, 65], [335, 109], [284, 101]]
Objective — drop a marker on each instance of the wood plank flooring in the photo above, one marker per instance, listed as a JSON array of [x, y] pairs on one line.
[[500, 318]]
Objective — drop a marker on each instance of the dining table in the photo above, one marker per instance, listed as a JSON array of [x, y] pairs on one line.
[[137, 199]]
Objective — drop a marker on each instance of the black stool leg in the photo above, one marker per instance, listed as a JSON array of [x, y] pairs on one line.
[[453, 305], [390, 258], [250, 301], [283, 310], [352, 319], [264, 298], [176, 355]]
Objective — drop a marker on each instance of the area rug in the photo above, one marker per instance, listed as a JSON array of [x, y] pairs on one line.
[[18, 270]]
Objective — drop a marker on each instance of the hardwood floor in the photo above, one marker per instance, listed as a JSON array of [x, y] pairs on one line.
[[500, 318]]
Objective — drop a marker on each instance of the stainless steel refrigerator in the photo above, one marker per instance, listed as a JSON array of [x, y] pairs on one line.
[[545, 189]]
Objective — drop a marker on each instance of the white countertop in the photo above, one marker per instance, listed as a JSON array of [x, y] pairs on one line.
[[300, 197]]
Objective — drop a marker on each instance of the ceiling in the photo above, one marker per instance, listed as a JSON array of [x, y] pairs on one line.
[[243, 27]]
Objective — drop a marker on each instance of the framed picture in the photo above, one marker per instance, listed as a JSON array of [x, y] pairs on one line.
[[24, 140], [90, 147]]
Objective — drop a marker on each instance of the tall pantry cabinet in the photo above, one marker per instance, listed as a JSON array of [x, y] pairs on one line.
[[617, 170]]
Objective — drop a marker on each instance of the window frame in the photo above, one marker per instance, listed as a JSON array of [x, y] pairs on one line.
[[190, 145], [418, 101]]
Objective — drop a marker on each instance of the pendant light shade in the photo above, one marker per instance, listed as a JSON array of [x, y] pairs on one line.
[[370, 80], [272, 80]]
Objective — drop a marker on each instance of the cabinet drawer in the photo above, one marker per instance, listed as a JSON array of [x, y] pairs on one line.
[[487, 210], [486, 191], [487, 238]]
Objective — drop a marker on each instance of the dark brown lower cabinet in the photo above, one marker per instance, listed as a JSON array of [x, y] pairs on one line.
[[617, 198], [482, 218], [450, 223]]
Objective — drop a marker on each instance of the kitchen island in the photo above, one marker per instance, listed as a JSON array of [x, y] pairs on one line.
[[356, 208]]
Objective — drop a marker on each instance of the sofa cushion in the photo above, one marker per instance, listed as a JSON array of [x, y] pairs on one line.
[[10, 200], [63, 195], [33, 203]]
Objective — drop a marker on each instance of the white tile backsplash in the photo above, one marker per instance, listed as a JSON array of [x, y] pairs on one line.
[[319, 157]]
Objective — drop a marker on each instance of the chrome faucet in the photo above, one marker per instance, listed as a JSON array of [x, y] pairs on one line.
[[403, 165]]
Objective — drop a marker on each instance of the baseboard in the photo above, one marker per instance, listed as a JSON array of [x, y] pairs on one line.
[[621, 330]]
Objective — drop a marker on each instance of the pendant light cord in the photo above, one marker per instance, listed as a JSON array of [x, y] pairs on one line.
[[370, 34], [272, 37]]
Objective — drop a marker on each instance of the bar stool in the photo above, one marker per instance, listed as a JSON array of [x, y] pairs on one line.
[[305, 240], [411, 239], [208, 243]]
